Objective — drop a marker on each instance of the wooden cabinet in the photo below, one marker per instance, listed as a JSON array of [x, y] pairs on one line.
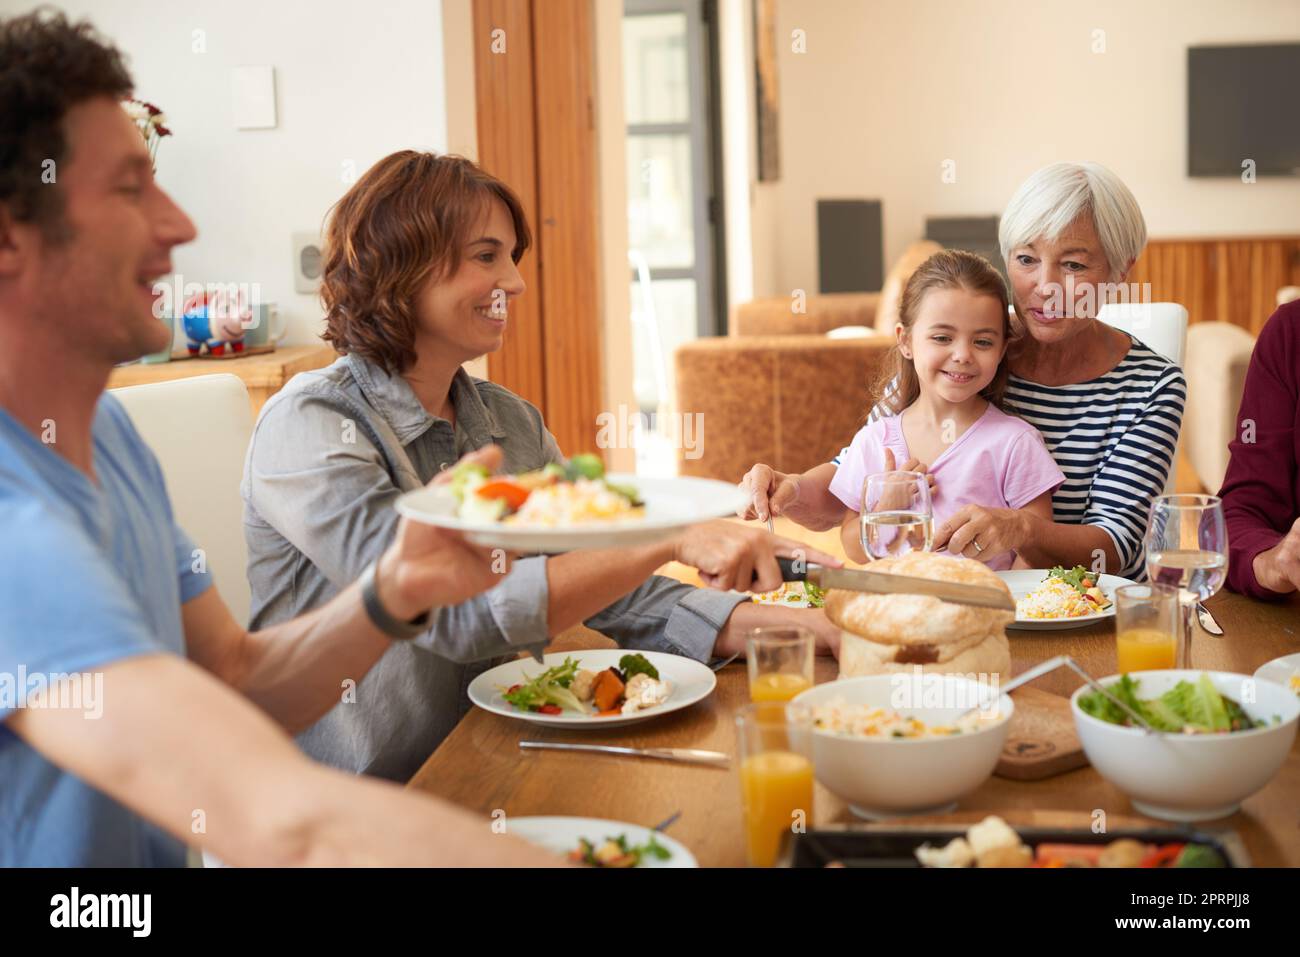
[[264, 374], [1224, 279]]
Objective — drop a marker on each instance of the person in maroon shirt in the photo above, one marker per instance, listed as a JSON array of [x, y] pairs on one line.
[[1261, 491]]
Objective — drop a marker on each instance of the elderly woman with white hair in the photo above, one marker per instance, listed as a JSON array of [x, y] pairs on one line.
[[1108, 407]]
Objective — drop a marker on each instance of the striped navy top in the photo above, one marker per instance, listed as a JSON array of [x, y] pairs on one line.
[[1114, 438]]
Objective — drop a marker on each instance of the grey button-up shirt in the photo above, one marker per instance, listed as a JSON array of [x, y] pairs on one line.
[[330, 453]]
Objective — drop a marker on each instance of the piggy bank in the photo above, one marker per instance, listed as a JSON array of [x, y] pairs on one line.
[[215, 322]]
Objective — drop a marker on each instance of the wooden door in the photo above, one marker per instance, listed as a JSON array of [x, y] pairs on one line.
[[534, 87]]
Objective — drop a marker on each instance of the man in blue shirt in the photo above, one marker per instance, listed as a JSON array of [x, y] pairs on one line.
[[136, 715]]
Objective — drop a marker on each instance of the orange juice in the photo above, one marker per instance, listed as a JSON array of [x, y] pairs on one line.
[[775, 785], [777, 686], [1145, 649]]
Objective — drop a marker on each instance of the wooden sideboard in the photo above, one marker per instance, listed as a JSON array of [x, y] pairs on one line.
[[263, 374], [1226, 279]]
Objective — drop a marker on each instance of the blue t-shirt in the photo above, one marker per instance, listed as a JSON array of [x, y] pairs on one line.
[[89, 575]]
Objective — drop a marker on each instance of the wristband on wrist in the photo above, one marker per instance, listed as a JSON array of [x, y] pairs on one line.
[[379, 616]]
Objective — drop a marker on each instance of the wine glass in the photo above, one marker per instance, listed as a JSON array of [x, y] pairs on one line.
[[896, 515], [1187, 547]]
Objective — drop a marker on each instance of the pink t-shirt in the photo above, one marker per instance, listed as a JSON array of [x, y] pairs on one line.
[[999, 462]]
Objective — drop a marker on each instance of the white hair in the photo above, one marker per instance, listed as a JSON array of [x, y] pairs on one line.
[[1055, 196]]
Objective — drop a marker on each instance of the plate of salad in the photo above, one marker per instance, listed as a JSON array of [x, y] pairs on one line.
[[564, 507], [600, 688], [596, 842], [1049, 599]]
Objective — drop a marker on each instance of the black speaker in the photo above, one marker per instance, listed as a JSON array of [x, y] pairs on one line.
[[975, 234], [850, 245]]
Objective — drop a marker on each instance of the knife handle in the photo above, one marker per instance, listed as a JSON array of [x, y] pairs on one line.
[[789, 572]]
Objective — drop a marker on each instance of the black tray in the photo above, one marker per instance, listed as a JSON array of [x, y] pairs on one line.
[[892, 845]]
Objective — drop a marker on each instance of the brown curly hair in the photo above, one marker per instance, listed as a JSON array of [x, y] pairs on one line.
[[897, 386], [406, 220], [47, 66]]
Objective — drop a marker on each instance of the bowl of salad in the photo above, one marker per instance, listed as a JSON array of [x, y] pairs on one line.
[[1219, 738]]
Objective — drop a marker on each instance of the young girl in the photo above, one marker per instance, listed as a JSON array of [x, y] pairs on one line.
[[944, 379]]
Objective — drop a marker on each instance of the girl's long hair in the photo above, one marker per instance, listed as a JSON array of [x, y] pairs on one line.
[[897, 386]]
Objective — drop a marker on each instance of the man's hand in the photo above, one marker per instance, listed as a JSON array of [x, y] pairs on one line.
[[981, 533], [428, 567], [1278, 568], [742, 557]]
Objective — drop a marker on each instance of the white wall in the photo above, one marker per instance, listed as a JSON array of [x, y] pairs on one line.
[[354, 82], [887, 91]]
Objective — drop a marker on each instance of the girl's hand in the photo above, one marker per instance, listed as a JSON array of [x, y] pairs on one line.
[[981, 533], [900, 498], [770, 492], [911, 465]]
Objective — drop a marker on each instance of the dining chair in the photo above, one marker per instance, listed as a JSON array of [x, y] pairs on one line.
[[199, 429], [1162, 326]]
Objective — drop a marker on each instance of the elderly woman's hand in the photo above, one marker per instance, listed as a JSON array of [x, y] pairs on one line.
[[1278, 569], [981, 533]]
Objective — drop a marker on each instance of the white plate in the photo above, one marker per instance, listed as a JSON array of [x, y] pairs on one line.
[[1279, 670], [691, 682], [671, 504], [561, 834], [1023, 581]]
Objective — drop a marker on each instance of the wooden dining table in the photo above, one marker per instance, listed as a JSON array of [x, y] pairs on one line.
[[480, 765]]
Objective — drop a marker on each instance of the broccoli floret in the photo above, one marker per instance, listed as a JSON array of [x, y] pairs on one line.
[[637, 665]]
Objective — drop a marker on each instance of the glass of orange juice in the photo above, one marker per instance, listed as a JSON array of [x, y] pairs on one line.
[[774, 745], [1147, 627], [780, 662]]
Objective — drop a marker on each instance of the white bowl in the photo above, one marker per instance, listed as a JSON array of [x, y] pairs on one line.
[[891, 777], [1191, 777]]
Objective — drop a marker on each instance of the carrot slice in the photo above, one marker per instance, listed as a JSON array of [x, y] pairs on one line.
[[514, 494], [1048, 853], [607, 690]]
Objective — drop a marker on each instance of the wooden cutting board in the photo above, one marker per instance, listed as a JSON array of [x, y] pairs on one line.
[[1041, 741]]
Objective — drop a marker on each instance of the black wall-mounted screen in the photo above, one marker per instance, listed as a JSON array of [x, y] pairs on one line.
[[1243, 103]]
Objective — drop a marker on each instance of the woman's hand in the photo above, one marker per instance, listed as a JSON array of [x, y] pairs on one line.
[[428, 567], [741, 557], [1278, 568], [981, 533]]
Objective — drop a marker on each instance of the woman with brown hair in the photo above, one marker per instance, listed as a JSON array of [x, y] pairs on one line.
[[943, 383], [420, 269]]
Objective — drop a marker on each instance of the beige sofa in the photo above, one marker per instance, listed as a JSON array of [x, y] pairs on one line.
[[1218, 354]]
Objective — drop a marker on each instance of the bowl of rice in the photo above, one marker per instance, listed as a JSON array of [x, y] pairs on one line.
[[896, 744]]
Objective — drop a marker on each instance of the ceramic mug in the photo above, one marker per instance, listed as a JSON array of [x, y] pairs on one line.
[[260, 328]]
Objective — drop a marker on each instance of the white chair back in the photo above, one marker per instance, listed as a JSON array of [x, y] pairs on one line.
[[199, 429], [1160, 325]]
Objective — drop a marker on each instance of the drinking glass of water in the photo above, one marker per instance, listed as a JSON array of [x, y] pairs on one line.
[[896, 516], [1187, 547]]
